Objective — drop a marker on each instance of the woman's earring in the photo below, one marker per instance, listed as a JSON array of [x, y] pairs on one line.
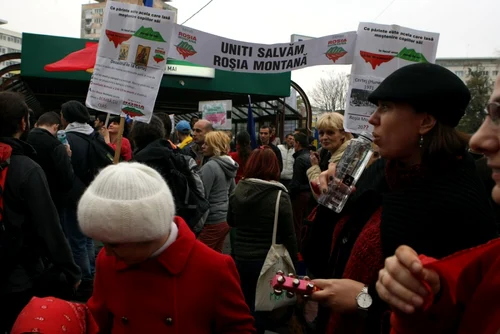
[[421, 141]]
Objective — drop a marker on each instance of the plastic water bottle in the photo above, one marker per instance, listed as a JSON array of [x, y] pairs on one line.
[[61, 135], [350, 167]]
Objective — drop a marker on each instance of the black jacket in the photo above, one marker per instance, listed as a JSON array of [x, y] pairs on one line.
[[32, 216], [276, 151], [439, 215], [51, 155], [251, 212], [300, 182], [80, 162]]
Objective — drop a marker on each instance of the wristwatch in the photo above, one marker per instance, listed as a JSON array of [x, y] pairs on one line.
[[363, 299]]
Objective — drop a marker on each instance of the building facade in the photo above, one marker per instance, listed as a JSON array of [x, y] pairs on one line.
[[93, 16], [10, 42], [460, 66]]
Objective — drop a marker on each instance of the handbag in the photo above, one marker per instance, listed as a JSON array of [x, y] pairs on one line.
[[277, 259]]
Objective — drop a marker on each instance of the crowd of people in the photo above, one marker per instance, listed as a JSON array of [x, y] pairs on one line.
[[88, 246]]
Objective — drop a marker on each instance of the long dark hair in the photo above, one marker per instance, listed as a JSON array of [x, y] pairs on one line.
[[244, 149], [443, 145]]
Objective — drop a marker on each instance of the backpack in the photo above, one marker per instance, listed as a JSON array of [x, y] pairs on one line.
[[100, 154], [10, 240], [190, 202]]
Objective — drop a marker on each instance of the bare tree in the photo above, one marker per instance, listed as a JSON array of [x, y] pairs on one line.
[[330, 91]]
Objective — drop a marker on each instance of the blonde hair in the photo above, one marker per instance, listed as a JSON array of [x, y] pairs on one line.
[[218, 141], [332, 120]]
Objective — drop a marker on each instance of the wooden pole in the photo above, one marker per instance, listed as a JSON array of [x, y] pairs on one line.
[[122, 119], [106, 123], [119, 141]]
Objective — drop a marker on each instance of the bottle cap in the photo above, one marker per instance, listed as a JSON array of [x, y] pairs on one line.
[[366, 135]]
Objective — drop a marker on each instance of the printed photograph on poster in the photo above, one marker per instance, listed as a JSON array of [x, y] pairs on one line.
[[123, 52], [226, 54], [360, 109], [359, 98], [218, 113], [131, 60]]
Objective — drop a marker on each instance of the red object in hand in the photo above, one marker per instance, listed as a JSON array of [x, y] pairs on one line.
[[315, 187], [293, 285]]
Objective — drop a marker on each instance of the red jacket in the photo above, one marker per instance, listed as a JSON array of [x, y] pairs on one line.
[[241, 168], [470, 295], [126, 150], [189, 288]]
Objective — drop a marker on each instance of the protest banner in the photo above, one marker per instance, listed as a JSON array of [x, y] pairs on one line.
[[226, 54], [380, 50], [218, 113], [131, 60]]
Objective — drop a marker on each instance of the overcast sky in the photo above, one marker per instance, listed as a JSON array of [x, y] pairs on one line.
[[468, 28]]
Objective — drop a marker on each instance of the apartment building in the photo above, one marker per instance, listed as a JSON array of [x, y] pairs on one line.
[[10, 42], [460, 66]]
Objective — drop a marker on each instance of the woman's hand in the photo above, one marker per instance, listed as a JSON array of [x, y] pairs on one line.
[[338, 294], [68, 150], [105, 133], [400, 282], [314, 156], [328, 176]]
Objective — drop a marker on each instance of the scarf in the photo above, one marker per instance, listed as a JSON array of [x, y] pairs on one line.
[[335, 157], [52, 315], [366, 256], [80, 128]]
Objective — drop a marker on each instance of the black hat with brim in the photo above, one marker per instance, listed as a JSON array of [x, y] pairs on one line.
[[427, 88]]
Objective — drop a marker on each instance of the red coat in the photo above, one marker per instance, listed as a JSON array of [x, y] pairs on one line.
[[241, 168], [189, 288], [470, 294], [126, 150]]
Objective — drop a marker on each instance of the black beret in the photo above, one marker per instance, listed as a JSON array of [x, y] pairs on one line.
[[427, 88], [74, 111]]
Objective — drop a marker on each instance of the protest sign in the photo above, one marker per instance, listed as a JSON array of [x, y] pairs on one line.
[[218, 113], [222, 53], [380, 50], [131, 60]]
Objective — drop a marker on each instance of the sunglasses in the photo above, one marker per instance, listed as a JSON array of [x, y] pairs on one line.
[[493, 110]]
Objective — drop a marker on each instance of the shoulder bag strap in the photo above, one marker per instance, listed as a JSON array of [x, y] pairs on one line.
[[276, 214]]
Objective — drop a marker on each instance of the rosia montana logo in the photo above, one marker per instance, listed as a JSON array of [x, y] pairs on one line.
[[185, 48]]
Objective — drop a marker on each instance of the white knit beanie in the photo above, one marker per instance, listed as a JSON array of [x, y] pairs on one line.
[[127, 202]]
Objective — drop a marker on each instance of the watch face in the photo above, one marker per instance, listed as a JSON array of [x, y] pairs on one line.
[[364, 300]]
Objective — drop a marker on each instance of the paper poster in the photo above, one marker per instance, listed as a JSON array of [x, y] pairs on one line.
[[380, 50], [222, 53], [131, 60], [218, 113]]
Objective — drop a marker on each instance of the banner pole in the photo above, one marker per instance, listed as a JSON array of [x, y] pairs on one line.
[[119, 141], [147, 3]]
